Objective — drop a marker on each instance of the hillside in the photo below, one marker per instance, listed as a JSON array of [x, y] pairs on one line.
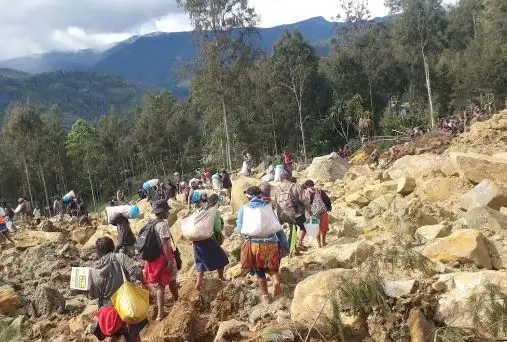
[[77, 94], [153, 60]]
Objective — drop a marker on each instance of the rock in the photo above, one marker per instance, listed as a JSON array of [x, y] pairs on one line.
[[327, 169], [430, 233], [235, 271], [485, 217], [312, 296], [9, 300], [74, 305], [468, 244], [405, 186], [503, 210], [358, 199], [229, 330], [357, 171], [453, 306], [17, 323], [352, 254], [31, 238], [81, 321], [439, 286], [352, 227], [48, 300], [415, 166], [239, 186], [378, 206], [478, 167], [372, 192], [486, 193], [102, 231], [398, 288], [47, 226], [439, 189], [232, 246], [82, 234], [421, 329]]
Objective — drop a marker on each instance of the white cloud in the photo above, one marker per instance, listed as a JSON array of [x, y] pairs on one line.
[[35, 26]]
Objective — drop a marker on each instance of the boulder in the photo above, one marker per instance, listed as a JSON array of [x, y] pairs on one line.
[[487, 193], [314, 295], [358, 199], [229, 330], [375, 191], [467, 244], [74, 305], [9, 300], [48, 300], [378, 206], [398, 288], [439, 189], [82, 234], [47, 226], [31, 238], [453, 307], [430, 233], [102, 231], [327, 169], [478, 167], [79, 323], [239, 186], [232, 246], [421, 329], [352, 227], [352, 254], [485, 217], [503, 210], [357, 171], [415, 166], [405, 186]]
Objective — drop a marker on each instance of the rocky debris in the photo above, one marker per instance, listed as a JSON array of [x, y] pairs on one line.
[[79, 323], [9, 300], [352, 254], [440, 189], [230, 330], [429, 233], [415, 166], [485, 217], [74, 305], [421, 329], [31, 238], [468, 244], [358, 171], [487, 193], [405, 185], [378, 206], [357, 199], [478, 167], [488, 137], [48, 300], [81, 235], [239, 186], [327, 168], [102, 231], [232, 245], [375, 191], [398, 288], [47, 226]]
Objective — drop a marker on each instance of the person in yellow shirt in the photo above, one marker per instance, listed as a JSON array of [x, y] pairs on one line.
[[4, 232]]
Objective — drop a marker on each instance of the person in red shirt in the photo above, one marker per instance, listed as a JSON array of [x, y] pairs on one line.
[[288, 161]]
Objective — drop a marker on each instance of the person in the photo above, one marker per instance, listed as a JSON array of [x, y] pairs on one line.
[[309, 185], [248, 161], [265, 252], [58, 207], [106, 279], [346, 151], [208, 255], [226, 182], [207, 179], [73, 207], [9, 215], [194, 186], [120, 197], [269, 174], [290, 203], [37, 214], [177, 182], [126, 238], [216, 182], [375, 156], [288, 161], [162, 271], [4, 232]]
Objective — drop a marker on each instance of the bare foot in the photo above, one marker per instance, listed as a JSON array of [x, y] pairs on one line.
[[265, 299], [277, 289]]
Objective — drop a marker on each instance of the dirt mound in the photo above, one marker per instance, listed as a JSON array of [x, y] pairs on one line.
[[488, 137]]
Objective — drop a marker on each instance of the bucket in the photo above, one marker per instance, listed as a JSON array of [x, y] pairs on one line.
[[70, 195], [150, 184], [128, 211], [278, 173], [312, 227]]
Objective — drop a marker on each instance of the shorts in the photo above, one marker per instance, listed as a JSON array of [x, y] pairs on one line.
[[300, 222], [159, 271]]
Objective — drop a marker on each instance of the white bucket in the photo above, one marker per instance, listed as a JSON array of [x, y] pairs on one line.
[[312, 227], [128, 211]]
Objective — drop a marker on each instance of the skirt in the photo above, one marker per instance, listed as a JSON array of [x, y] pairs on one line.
[[209, 256], [159, 272], [324, 223], [266, 256]]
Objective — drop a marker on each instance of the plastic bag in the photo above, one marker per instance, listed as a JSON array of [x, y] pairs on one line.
[[132, 302], [260, 222], [312, 227], [199, 226]]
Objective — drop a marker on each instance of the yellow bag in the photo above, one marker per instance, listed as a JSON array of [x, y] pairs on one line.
[[132, 302]]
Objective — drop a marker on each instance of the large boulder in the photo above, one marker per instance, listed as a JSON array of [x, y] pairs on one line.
[[416, 166], [486, 193], [313, 298], [82, 234], [485, 217], [378, 206], [351, 254], [375, 191], [48, 300], [478, 167], [102, 231], [239, 186], [232, 246], [327, 168], [9, 300], [31, 238], [405, 185], [467, 244], [440, 189]]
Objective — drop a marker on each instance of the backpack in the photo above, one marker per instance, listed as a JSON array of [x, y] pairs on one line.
[[318, 206], [147, 244], [286, 203]]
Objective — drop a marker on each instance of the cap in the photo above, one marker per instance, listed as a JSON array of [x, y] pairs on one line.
[[160, 206]]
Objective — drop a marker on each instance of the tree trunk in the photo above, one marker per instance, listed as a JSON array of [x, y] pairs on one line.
[[45, 189], [227, 135], [274, 131], [303, 140], [91, 188], [371, 97], [28, 180], [428, 87]]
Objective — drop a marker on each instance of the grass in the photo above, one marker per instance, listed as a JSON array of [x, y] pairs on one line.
[[490, 318]]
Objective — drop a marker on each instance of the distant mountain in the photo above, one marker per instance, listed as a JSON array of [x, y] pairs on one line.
[[76, 94]]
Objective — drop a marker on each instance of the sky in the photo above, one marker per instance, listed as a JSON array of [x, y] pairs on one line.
[[36, 26]]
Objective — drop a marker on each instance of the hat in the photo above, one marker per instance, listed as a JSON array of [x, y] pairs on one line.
[[160, 206]]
